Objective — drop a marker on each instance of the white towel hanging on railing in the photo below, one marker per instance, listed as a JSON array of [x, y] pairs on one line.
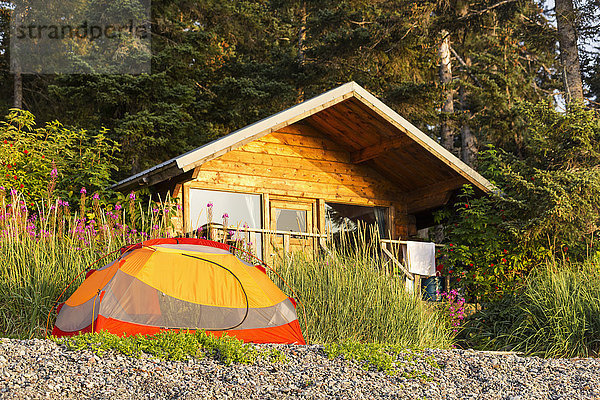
[[420, 257]]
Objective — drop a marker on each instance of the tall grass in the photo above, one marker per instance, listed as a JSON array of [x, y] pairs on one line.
[[45, 248], [348, 297], [560, 312], [557, 314]]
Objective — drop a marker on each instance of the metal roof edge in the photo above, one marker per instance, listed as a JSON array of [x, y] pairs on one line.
[[169, 164]]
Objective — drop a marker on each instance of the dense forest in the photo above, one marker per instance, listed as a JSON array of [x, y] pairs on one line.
[[458, 69]]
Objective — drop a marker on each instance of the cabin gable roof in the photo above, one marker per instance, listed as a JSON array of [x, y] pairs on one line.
[[363, 125]]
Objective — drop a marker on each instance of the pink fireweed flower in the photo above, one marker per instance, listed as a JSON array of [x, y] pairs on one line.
[[209, 205], [132, 196], [155, 210], [225, 215], [118, 207], [83, 191], [96, 196], [54, 173]]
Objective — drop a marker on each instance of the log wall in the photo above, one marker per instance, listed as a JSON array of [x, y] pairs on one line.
[[299, 162]]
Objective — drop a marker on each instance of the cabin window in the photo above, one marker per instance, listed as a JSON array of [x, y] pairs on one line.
[[349, 217], [242, 209], [290, 220]]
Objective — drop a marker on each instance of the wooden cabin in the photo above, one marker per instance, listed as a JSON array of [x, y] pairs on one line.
[[339, 159]]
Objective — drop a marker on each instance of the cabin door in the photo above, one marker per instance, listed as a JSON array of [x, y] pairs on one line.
[[295, 217]]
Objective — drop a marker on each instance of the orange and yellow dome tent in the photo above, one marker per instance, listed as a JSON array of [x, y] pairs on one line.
[[177, 284]]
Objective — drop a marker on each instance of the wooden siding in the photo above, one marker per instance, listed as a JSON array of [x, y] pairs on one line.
[[300, 162]]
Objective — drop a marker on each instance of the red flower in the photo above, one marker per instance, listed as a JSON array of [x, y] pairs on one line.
[[470, 265], [8, 166], [15, 177], [466, 206], [5, 142], [491, 265], [504, 260], [43, 156], [11, 145], [451, 245], [25, 152], [457, 279], [505, 251], [21, 186], [450, 272]]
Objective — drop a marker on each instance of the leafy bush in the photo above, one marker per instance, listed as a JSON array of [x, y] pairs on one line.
[[546, 206], [31, 155], [382, 357]]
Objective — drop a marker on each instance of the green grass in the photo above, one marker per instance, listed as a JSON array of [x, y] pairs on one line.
[[32, 276], [347, 297], [173, 346], [39, 257], [383, 357], [557, 314]]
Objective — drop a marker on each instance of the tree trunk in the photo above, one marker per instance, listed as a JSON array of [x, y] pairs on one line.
[[16, 66], [301, 46], [569, 56], [468, 139], [447, 131], [18, 89]]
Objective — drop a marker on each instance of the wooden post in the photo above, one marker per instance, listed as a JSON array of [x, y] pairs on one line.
[[187, 227], [286, 244], [266, 224]]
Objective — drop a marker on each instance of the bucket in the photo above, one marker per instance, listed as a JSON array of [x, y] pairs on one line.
[[431, 286]]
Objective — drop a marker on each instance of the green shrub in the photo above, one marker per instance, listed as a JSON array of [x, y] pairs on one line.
[[560, 312], [73, 158], [546, 206], [382, 357]]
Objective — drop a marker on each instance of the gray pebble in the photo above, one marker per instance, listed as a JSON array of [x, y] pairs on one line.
[[41, 369]]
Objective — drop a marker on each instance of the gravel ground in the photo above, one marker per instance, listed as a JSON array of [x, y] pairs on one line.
[[41, 369]]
